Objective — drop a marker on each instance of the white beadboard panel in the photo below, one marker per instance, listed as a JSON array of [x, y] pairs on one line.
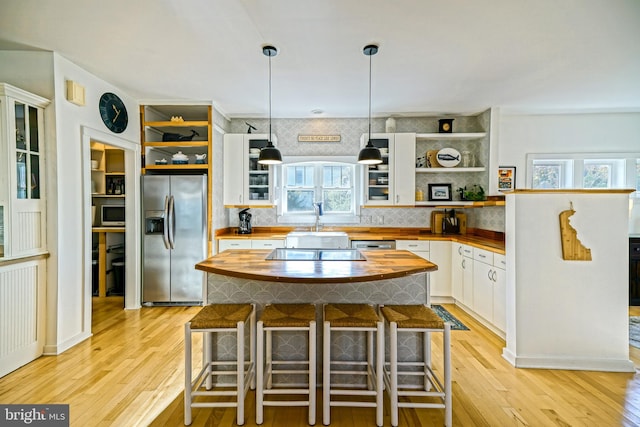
[[21, 303], [27, 233]]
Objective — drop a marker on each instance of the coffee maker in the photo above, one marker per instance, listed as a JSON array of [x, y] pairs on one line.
[[245, 222]]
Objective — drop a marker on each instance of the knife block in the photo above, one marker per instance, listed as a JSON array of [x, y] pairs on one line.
[[438, 216]]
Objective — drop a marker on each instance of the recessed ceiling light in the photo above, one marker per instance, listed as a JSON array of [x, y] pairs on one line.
[[317, 111]]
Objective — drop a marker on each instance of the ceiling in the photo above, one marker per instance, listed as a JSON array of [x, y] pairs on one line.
[[436, 57]]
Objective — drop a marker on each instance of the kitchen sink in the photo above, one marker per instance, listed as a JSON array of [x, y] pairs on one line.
[[317, 240], [294, 254]]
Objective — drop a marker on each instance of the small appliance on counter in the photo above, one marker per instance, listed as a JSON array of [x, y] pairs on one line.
[[245, 222]]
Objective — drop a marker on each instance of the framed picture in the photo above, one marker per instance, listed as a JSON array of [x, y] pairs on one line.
[[506, 178], [441, 192]]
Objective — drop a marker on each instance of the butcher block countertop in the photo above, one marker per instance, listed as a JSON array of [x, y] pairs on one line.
[[379, 265], [489, 240]]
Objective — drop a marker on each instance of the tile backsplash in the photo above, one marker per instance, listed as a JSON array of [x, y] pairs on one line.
[[350, 131]]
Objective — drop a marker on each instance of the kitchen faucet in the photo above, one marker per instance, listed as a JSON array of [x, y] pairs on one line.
[[317, 208]]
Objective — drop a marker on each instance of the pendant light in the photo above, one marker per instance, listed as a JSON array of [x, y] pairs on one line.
[[370, 155], [269, 155]]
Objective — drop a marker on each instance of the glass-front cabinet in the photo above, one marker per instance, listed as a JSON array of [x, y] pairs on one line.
[[252, 183], [22, 208]]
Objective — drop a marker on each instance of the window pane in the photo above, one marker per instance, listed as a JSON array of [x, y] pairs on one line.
[[300, 176], [21, 175], [21, 143], [300, 200], [546, 176], [337, 176], [335, 201], [596, 175], [35, 176], [33, 129]]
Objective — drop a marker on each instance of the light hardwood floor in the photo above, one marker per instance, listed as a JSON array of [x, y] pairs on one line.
[[130, 373]]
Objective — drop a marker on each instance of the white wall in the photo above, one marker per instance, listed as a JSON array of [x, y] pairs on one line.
[[45, 74], [521, 134], [567, 314]]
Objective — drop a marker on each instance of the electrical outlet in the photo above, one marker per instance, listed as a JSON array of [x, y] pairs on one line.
[[378, 220]]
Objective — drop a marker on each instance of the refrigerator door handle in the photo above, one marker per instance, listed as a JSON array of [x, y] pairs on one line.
[[172, 222], [165, 219]]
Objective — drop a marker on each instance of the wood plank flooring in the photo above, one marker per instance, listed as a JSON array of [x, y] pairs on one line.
[[130, 373]]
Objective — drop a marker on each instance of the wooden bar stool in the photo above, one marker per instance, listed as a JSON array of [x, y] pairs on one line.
[[340, 318], [283, 318], [212, 319], [417, 319]]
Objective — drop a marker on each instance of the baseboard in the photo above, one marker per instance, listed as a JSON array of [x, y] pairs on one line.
[[53, 350], [441, 300], [572, 364]]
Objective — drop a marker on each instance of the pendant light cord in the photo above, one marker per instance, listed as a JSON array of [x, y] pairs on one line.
[[269, 137], [370, 98]]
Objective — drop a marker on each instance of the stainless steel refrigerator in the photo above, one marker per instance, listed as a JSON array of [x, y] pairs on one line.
[[175, 238]]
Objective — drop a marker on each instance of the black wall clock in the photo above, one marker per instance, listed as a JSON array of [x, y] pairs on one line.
[[113, 112]]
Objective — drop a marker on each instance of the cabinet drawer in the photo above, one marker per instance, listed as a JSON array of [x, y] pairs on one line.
[[413, 245], [225, 244], [267, 244], [500, 261], [467, 251], [483, 255]]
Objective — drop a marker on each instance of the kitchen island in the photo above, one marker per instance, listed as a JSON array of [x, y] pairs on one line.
[[385, 277]]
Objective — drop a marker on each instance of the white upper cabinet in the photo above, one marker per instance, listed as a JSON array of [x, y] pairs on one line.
[[22, 178], [393, 181], [246, 183]]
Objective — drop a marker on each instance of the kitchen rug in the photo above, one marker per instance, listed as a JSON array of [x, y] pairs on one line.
[[457, 325], [634, 331]]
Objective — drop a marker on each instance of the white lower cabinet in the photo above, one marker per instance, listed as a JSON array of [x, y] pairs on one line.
[[439, 253], [440, 281], [267, 244], [224, 244], [462, 274], [489, 287], [500, 292]]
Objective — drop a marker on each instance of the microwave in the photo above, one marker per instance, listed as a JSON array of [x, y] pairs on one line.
[[112, 215]]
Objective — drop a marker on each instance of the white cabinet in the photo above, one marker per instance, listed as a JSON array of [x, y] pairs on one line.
[[489, 287], [440, 254], [224, 244], [267, 244], [246, 183], [392, 182], [22, 175], [462, 274], [500, 292]]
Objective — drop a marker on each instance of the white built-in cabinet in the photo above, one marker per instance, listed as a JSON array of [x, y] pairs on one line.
[[224, 244], [462, 274], [246, 182], [392, 182], [22, 177], [22, 227], [439, 253]]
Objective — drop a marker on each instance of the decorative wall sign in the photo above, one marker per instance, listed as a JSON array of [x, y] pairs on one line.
[[318, 138], [506, 178]]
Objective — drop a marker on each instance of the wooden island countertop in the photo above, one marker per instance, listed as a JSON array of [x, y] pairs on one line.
[[379, 265]]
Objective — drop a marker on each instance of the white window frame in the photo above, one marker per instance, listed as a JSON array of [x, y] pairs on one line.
[[623, 167], [304, 218]]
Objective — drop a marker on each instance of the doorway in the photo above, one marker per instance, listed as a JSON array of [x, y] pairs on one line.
[[130, 186]]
